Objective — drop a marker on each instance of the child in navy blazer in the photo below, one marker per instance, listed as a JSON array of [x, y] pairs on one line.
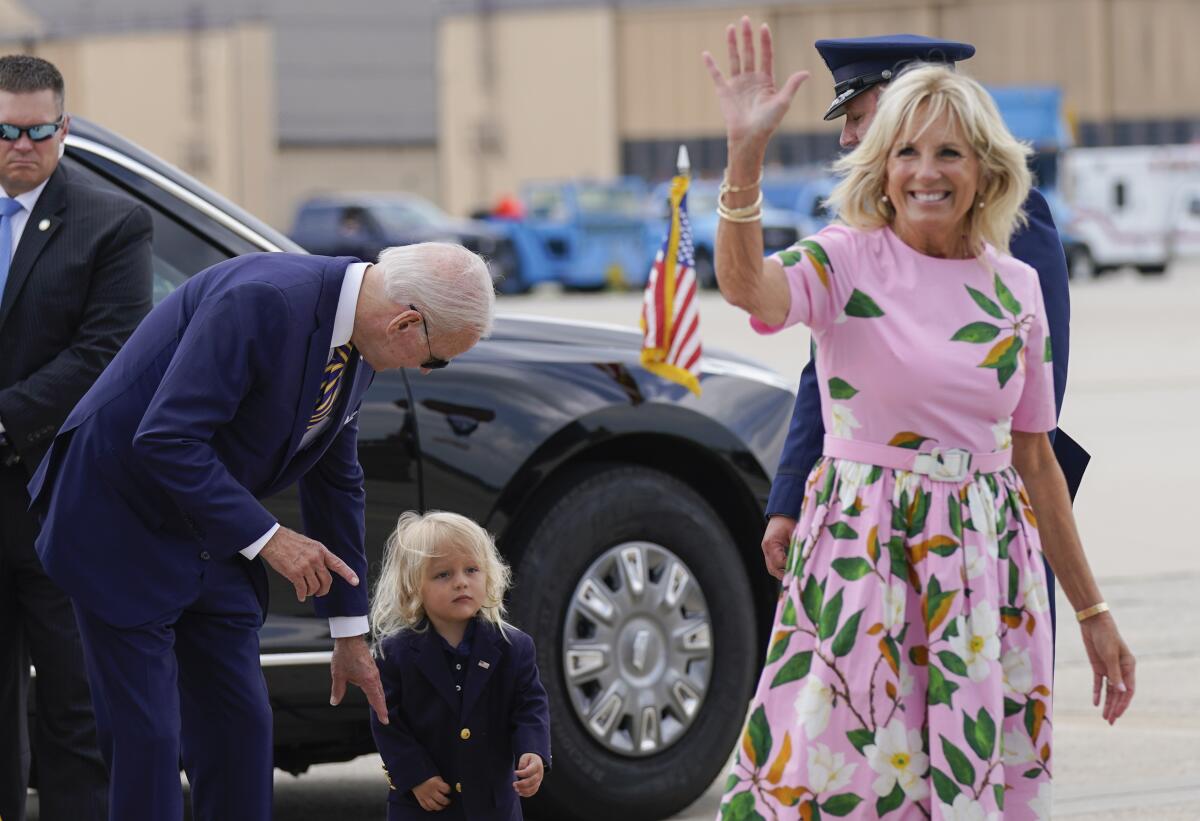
[[469, 724]]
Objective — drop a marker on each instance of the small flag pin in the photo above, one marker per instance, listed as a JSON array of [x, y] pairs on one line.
[[44, 225], [484, 665]]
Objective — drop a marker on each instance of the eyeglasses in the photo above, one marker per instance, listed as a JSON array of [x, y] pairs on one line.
[[38, 133], [433, 363]]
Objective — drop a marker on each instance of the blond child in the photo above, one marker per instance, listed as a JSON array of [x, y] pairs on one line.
[[469, 729]]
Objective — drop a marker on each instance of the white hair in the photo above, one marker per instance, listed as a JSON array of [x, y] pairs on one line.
[[449, 284]]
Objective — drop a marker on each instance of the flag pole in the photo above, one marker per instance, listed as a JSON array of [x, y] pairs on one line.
[[683, 164]]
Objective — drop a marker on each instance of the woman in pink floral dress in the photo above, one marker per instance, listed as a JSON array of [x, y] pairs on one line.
[[909, 671]]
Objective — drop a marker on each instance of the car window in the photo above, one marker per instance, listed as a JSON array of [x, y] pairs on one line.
[[178, 250], [545, 204], [606, 200], [402, 216], [316, 224]]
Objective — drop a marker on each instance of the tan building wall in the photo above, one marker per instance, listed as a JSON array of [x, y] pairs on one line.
[[305, 171], [546, 107], [202, 100], [1114, 59]]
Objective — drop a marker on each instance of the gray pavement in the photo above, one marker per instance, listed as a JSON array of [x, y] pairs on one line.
[[1133, 402]]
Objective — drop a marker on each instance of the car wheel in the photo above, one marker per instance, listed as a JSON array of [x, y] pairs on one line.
[[639, 604], [706, 271], [1080, 264], [1152, 270]]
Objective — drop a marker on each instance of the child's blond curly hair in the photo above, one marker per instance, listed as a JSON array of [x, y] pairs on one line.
[[417, 539]]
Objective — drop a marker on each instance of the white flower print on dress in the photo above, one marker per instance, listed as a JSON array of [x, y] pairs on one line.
[[896, 756], [827, 770], [978, 640], [1002, 430], [1040, 804], [1033, 588], [982, 503], [1018, 749], [976, 561], [894, 596], [906, 679], [814, 704], [851, 476], [844, 421], [1018, 671], [905, 483], [966, 808]]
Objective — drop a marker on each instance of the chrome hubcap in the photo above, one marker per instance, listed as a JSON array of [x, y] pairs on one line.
[[637, 648]]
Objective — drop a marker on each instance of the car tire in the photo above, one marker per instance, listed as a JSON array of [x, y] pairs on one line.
[[602, 506], [1152, 270], [706, 271], [1080, 265]]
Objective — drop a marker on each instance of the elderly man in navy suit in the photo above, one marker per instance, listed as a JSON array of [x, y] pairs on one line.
[[244, 381], [861, 69]]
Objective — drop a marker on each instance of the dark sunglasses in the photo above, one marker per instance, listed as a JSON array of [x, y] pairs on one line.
[[38, 133], [433, 363]]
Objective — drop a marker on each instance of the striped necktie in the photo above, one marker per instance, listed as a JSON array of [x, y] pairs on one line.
[[8, 207], [331, 382]]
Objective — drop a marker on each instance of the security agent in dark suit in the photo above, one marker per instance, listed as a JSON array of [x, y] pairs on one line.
[[861, 68], [75, 271]]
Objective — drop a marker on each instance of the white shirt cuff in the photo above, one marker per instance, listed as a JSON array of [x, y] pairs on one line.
[[341, 627], [253, 550]]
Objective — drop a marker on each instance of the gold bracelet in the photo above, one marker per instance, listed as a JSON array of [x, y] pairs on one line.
[[737, 189], [755, 217], [1094, 610], [740, 211]]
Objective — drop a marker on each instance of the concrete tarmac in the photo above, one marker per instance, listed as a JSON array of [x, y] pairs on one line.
[[1132, 401]]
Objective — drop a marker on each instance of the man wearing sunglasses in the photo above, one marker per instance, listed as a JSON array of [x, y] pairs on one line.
[[246, 380], [75, 274]]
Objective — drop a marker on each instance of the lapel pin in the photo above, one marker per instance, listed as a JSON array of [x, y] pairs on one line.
[[44, 225], [484, 665]]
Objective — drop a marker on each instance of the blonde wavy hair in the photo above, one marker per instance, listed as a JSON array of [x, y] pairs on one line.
[[918, 97], [417, 539]]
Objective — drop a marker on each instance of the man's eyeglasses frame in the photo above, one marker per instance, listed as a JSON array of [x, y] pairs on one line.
[[37, 133], [433, 363]]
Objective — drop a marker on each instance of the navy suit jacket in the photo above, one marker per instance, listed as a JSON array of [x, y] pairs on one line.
[[160, 466], [504, 714], [1038, 246]]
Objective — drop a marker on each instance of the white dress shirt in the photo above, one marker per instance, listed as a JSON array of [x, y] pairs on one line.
[[343, 327], [16, 226]]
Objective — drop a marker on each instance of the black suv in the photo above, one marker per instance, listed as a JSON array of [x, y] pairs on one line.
[[630, 509]]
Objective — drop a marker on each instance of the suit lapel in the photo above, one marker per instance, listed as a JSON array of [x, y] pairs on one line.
[[49, 208], [431, 661], [485, 654], [315, 359]]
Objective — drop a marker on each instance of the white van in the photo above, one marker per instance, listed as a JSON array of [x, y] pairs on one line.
[[1131, 205]]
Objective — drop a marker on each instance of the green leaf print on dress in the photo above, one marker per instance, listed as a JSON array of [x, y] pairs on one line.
[[862, 306], [841, 389], [1004, 356]]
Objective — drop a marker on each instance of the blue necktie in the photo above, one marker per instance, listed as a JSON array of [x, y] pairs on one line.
[[8, 207]]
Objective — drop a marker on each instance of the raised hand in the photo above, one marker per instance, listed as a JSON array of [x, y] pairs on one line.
[[305, 563], [750, 102], [1110, 659]]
